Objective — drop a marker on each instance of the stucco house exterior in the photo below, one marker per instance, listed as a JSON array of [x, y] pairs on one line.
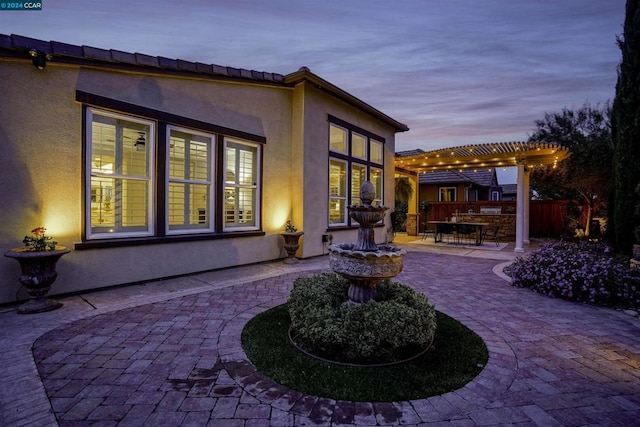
[[150, 167]]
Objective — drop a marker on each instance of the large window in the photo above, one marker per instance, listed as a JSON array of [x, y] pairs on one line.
[[356, 156], [120, 165], [153, 178]]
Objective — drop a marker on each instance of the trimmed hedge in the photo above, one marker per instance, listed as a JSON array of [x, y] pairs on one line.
[[397, 325]]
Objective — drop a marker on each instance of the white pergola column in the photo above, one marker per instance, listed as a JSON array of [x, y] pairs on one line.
[[520, 209], [526, 206]]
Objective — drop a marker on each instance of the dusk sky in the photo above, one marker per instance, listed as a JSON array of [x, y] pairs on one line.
[[455, 71]]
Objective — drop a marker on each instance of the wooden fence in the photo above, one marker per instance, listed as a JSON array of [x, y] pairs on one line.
[[547, 218]]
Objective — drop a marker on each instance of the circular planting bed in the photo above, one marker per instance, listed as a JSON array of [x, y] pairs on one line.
[[398, 325], [456, 356]]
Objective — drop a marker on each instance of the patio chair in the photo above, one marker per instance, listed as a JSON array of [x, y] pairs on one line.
[[427, 231], [491, 234], [466, 232]]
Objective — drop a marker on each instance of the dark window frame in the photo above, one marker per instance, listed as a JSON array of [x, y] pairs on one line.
[[162, 120], [350, 160]]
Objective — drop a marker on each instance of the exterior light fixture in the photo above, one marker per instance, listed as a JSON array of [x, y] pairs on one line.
[[140, 142], [39, 59]]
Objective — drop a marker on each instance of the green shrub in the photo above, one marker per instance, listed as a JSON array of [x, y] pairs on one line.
[[397, 324]]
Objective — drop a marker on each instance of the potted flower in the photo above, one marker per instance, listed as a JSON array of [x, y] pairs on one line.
[[38, 258], [291, 237]]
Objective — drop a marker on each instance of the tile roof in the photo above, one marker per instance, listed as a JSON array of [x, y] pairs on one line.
[[63, 52], [509, 188], [409, 152], [481, 177], [17, 46]]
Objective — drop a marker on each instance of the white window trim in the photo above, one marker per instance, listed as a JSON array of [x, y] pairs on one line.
[[90, 235], [257, 185], [440, 193], [211, 161]]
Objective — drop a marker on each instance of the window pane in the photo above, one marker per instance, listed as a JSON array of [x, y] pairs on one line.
[[176, 156], [337, 139], [189, 200], [102, 202], [239, 204], [134, 202], [198, 204], [337, 178], [103, 146], [246, 167], [199, 161], [376, 151], [447, 194], [241, 188], [336, 211], [337, 191], [375, 176], [358, 146], [176, 203], [358, 177], [119, 150], [134, 156]]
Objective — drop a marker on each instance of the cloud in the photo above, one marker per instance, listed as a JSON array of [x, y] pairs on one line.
[[456, 72]]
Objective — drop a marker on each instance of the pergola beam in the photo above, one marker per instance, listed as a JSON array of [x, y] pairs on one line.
[[523, 155]]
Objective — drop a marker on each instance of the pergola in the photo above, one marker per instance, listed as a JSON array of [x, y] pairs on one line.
[[523, 155]]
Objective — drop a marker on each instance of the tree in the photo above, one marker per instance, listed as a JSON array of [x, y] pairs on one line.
[[403, 193], [403, 189], [586, 174], [626, 133]]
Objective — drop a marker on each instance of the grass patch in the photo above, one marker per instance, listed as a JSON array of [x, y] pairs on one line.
[[457, 356]]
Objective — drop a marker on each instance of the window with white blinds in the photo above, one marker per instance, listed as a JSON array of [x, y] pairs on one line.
[[139, 186], [120, 161], [241, 184], [189, 201], [337, 192]]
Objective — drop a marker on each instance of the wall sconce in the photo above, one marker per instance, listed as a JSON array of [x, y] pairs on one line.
[[140, 142], [39, 58]]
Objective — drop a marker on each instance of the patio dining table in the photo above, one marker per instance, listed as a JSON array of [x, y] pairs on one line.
[[447, 227]]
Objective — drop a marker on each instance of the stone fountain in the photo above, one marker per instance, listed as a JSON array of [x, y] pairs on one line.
[[365, 263]]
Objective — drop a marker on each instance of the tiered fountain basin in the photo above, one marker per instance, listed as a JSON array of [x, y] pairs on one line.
[[365, 263], [365, 269]]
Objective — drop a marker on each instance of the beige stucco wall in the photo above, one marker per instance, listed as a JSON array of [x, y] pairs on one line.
[[317, 105], [41, 168]]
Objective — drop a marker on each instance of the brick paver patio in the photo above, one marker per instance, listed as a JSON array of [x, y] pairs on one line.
[[169, 353]]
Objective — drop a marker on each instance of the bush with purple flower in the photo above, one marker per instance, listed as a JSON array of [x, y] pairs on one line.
[[583, 271]]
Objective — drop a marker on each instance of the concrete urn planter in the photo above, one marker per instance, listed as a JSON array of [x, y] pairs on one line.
[[291, 245], [38, 274]]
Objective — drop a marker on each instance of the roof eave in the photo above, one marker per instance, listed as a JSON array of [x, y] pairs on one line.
[[305, 74]]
